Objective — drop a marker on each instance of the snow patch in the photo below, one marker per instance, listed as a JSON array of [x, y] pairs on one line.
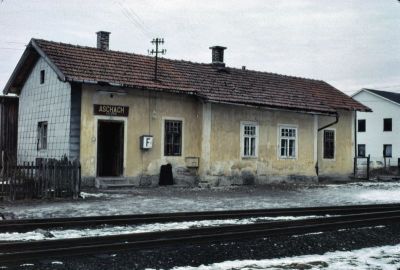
[[380, 195], [86, 195], [385, 258], [114, 230]]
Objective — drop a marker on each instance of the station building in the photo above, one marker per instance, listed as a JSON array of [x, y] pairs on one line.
[[215, 125]]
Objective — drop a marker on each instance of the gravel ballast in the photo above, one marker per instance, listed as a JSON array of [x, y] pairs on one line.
[[195, 255]]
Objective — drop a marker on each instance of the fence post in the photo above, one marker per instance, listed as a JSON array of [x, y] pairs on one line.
[[12, 185], [355, 167], [398, 166], [46, 178], [368, 159]]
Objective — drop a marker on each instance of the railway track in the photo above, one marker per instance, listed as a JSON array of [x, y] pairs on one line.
[[23, 225], [29, 251]]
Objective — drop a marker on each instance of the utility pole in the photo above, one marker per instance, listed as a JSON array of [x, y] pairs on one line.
[[157, 41]]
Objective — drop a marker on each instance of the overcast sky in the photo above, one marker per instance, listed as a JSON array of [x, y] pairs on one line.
[[348, 43]]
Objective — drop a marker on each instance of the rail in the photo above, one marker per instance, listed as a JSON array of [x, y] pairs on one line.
[[21, 225], [28, 251]]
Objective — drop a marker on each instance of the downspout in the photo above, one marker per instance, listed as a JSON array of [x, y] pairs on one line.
[[321, 128], [355, 143]]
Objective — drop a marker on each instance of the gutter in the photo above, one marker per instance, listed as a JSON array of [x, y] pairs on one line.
[[273, 108], [331, 124], [322, 128]]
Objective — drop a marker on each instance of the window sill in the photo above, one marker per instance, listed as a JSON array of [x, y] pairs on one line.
[[288, 158], [172, 156], [249, 158]]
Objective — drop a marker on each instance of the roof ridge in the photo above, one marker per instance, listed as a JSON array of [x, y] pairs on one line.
[[85, 47], [278, 74], [180, 60]]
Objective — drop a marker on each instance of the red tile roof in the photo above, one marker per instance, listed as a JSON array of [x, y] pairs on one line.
[[207, 81]]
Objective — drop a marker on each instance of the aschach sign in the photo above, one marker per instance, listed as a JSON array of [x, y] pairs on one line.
[[111, 110]]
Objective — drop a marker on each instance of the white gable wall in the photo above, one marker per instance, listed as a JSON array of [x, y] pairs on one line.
[[374, 137], [49, 102]]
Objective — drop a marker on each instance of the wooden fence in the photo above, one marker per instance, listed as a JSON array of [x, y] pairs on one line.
[[49, 179]]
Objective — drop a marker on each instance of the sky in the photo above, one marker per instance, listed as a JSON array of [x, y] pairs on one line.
[[350, 44]]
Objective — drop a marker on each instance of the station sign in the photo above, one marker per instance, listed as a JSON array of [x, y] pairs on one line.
[[110, 110]]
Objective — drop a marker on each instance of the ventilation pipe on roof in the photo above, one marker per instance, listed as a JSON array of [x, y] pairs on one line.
[[103, 40], [218, 55]]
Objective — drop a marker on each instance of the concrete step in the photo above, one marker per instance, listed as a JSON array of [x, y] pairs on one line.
[[117, 186], [112, 182]]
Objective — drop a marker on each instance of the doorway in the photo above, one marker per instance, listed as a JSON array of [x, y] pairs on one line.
[[110, 148]]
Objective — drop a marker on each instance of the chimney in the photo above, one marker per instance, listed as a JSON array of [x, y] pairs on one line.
[[103, 40], [218, 55]]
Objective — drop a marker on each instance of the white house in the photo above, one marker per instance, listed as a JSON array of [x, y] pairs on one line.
[[378, 133]]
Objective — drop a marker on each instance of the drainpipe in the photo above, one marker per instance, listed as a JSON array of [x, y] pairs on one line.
[[322, 128], [355, 143]]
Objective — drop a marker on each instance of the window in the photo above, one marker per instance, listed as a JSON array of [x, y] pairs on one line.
[[387, 124], [329, 144], [361, 150], [361, 125], [42, 77], [173, 138], [42, 136], [288, 138], [249, 139], [387, 150]]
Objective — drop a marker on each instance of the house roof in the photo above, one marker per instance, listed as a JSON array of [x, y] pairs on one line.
[[212, 83], [395, 97]]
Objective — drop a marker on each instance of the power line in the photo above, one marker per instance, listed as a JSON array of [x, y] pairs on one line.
[[7, 48], [129, 14], [138, 19], [16, 42]]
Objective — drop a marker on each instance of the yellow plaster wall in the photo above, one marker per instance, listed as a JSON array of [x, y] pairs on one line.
[[342, 164], [225, 142], [146, 114]]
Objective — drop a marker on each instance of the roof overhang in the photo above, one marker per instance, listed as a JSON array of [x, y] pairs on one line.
[[25, 65]]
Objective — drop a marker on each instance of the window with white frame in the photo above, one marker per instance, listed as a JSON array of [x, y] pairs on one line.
[[288, 141], [249, 139]]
